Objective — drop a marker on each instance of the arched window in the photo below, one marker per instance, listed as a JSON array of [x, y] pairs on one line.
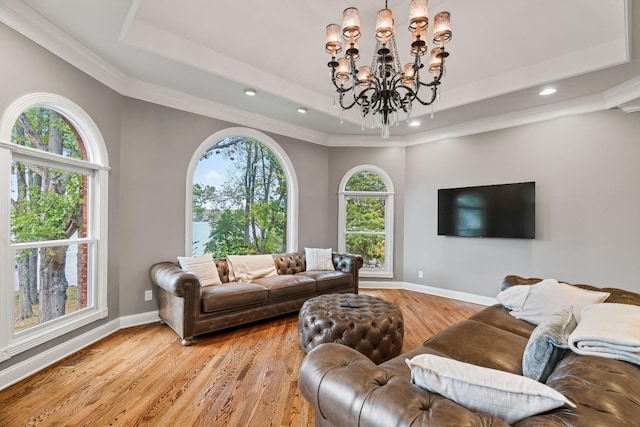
[[241, 196], [365, 219], [53, 172]]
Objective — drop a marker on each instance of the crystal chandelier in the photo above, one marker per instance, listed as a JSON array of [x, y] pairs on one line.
[[385, 87]]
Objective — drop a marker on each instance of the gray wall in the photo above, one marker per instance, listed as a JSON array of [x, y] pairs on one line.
[[157, 146], [28, 68], [587, 208], [392, 161]]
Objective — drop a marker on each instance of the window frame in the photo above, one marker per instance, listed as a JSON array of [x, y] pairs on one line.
[[388, 196], [97, 169], [287, 166]]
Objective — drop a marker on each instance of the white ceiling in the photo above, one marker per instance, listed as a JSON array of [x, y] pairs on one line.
[[199, 55]]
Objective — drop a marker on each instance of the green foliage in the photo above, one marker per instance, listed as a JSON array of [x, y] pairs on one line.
[[365, 221], [365, 214], [251, 203], [202, 197], [227, 235], [369, 246], [365, 181], [46, 215]]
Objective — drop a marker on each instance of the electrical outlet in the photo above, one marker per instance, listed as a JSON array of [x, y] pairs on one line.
[[420, 274], [148, 295]]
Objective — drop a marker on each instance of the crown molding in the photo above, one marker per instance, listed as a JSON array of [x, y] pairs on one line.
[[160, 95], [34, 26], [37, 28]]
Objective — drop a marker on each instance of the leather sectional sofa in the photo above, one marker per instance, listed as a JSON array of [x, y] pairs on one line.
[[346, 389], [191, 310]]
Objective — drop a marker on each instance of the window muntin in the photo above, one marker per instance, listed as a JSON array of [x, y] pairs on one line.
[[366, 219]]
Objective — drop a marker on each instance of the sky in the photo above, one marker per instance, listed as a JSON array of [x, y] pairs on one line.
[[211, 171]]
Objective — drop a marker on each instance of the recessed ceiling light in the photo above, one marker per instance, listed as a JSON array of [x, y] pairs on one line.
[[302, 110], [414, 123], [249, 92], [547, 91]]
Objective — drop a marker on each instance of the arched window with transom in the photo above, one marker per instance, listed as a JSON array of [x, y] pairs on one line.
[[365, 219], [53, 172]]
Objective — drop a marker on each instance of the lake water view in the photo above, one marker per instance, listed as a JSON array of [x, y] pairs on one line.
[[200, 233]]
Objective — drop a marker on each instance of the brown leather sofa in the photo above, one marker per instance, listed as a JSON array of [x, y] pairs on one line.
[[191, 310], [347, 389]]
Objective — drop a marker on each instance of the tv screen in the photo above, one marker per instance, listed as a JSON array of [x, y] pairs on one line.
[[506, 210]]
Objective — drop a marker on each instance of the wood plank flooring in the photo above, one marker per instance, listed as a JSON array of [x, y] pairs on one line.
[[246, 376]]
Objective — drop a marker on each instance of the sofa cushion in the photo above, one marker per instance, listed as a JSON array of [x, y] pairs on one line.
[[481, 344], [284, 286], [504, 395], [329, 280], [547, 344], [204, 266], [232, 295]]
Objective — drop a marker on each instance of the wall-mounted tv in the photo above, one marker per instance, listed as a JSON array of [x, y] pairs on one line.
[[506, 210]]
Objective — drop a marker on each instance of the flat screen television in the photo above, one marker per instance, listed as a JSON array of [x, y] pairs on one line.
[[506, 210]]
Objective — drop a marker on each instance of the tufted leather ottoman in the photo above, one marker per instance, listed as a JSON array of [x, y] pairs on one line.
[[374, 327]]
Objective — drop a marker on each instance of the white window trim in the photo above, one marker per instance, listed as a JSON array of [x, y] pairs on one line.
[[389, 221], [97, 167], [287, 165]]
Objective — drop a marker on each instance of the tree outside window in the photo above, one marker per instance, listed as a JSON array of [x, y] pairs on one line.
[[366, 219], [48, 211], [245, 212]]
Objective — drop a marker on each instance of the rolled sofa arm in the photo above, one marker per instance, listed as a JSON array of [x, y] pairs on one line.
[[345, 388], [349, 263], [173, 279]]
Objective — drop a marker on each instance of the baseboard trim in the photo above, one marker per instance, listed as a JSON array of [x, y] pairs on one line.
[[139, 319], [24, 369], [431, 290]]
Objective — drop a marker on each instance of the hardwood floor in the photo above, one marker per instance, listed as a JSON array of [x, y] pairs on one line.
[[246, 376]]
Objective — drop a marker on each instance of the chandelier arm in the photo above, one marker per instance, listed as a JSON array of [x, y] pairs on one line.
[[361, 99]]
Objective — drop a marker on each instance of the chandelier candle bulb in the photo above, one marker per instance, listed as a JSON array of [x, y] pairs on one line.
[[333, 45], [364, 76], [435, 61], [342, 72], [442, 28], [419, 42], [418, 17], [409, 74], [384, 25], [351, 23]]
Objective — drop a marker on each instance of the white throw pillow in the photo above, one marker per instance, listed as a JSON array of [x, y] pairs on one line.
[[549, 296], [204, 266], [513, 298], [248, 267], [501, 394], [318, 259]]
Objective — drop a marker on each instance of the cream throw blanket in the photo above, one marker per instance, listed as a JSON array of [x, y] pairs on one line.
[[608, 330], [249, 267]]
